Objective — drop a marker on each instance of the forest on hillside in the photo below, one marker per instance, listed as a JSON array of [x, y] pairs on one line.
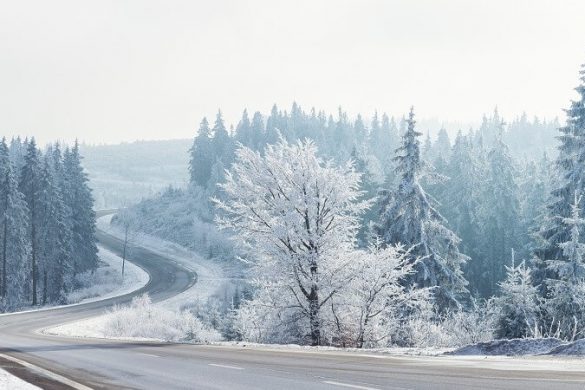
[[47, 224], [480, 232]]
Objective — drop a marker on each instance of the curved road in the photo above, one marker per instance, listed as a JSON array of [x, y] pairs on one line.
[[107, 364]]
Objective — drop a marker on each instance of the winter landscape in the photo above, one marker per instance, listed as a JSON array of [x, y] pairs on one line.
[[292, 195]]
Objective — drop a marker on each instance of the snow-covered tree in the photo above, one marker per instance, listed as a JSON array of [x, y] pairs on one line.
[[29, 186], [500, 216], [78, 198], [517, 307], [201, 155], [14, 287], [570, 163], [408, 217], [376, 301], [299, 214], [566, 299]]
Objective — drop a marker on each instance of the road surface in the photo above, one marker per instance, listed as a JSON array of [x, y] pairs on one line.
[[107, 364]]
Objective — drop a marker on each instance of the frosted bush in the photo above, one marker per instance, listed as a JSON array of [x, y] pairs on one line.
[[142, 319]]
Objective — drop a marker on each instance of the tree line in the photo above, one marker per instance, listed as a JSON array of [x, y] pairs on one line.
[[47, 223], [480, 220]]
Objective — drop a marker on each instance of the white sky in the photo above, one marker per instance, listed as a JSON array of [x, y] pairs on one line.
[[109, 71]]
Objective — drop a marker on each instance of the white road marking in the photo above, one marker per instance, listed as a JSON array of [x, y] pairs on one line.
[[224, 366], [349, 385], [47, 373], [149, 354]]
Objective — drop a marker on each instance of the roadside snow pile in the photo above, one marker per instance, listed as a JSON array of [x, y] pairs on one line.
[[576, 348], [144, 320], [9, 381], [513, 347], [107, 281]]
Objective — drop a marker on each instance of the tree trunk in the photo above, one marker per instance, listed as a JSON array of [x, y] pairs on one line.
[[314, 316]]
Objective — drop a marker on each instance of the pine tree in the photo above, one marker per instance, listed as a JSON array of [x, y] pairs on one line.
[[201, 155], [460, 202], [500, 215], [570, 164], [78, 198], [409, 218], [29, 186], [15, 253], [244, 131], [222, 143], [566, 300], [517, 305]]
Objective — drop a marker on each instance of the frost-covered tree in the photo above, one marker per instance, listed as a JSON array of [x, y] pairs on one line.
[[201, 155], [408, 217], [517, 307], [55, 261], [79, 200], [376, 301], [29, 186], [299, 214], [500, 216], [566, 299], [14, 287], [570, 164]]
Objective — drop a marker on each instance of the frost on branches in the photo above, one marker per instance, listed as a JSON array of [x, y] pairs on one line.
[[298, 216], [517, 308], [408, 217], [566, 300]]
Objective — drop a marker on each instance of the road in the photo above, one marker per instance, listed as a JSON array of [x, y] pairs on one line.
[[108, 364]]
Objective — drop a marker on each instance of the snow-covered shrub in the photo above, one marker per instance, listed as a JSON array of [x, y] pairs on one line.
[[142, 319], [516, 309], [452, 329], [182, 216], [92, 284]]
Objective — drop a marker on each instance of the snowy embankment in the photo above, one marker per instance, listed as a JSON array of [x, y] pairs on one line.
[[9, 381], [523, 347], [107, 281], [161, 321]]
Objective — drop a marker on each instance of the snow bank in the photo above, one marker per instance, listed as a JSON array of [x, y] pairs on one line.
[[576, 348], [9, 381], [107, 280], [513, 347], [141, 320], [391, 351]]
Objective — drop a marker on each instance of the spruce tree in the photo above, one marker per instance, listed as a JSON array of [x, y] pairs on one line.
[[201, 154], [408, 217], [16, 265], [29, 186], [79, 199], [570, 164], [500, 216], [566, 299]]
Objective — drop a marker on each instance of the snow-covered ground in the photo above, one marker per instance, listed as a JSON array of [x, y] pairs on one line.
[[107, 281], [11, 382], [210, 275], [210, 278]]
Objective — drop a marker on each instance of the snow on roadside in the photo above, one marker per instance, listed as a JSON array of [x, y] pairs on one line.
[[113, 285], [107, 282], [209, 279], [210, 275], [9, 381], [512, 347]]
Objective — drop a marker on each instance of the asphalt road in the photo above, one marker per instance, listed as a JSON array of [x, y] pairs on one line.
[[104, 364]]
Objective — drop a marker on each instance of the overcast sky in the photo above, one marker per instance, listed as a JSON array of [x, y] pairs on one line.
[[110, 71]]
